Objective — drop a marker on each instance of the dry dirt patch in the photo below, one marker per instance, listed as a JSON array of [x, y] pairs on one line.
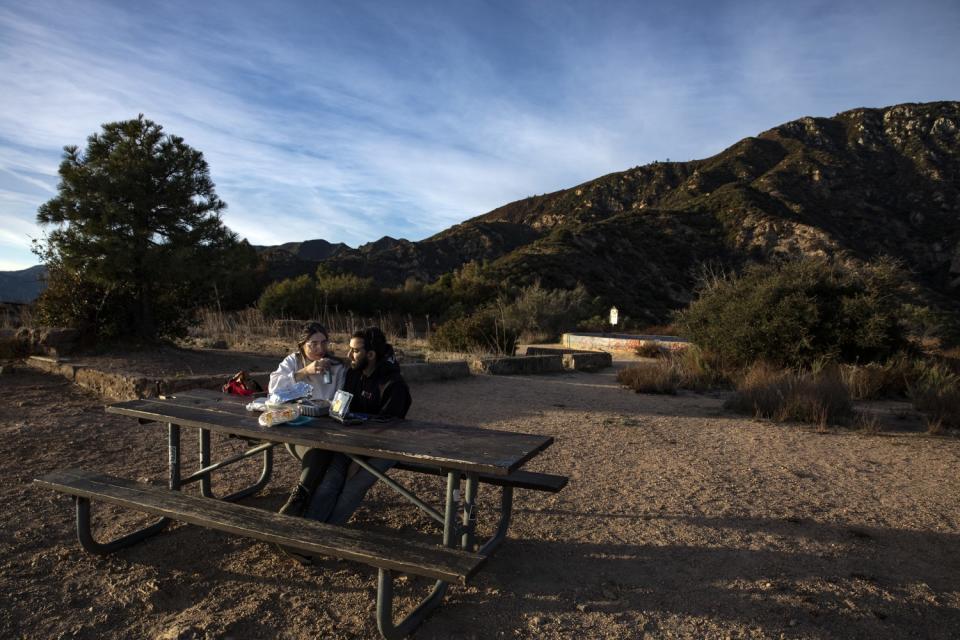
[[678, 521]]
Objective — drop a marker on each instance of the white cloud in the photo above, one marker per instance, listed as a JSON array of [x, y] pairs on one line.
[[354, 121]]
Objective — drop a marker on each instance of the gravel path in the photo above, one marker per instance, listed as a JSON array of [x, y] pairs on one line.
[[679, 521]]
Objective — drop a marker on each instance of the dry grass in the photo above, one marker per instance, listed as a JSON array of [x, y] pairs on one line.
[[654, 377], [888, 380], [867, 423], [699, 370], [248, 330], [650, 350], [688, 368], [936, 393], [781, 395]]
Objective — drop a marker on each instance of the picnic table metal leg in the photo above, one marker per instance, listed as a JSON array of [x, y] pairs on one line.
[[506, 509], [173, 447], [204, 474], [469, 512], [390, 630], [85, 535], [84, 532]]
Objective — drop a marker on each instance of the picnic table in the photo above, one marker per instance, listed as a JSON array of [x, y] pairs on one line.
[[467, 456]]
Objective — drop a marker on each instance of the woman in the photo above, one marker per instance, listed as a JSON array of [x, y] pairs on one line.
[[314, 364]]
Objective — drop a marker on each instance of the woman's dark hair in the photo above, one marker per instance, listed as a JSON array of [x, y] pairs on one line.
[[308, 330], [374, 340]]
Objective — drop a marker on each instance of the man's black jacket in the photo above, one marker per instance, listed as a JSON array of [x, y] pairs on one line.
[[383, 393]]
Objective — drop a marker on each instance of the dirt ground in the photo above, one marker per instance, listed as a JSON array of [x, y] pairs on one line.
[[679, 521]]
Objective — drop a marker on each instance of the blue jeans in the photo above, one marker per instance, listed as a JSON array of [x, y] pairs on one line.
[[336, 496], [354, 489]]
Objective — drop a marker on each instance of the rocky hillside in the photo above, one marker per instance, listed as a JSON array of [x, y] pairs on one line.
[[865, 183]]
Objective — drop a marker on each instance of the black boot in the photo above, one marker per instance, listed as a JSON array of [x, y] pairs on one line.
[[295, 506], [297, 502]]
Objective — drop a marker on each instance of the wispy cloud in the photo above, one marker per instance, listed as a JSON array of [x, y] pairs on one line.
[[350, 121]]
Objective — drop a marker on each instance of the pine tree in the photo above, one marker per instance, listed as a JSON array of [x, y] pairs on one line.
[[137, 235]]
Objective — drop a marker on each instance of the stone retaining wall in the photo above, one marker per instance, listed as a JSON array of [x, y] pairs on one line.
[[435, 371], [517, 365], [587, 360], [132, 385], [619, 341], [575, 359]]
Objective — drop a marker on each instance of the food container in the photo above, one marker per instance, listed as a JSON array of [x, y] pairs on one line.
[[314, 408]]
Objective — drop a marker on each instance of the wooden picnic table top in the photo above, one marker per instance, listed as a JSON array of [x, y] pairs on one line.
[[451, 446]]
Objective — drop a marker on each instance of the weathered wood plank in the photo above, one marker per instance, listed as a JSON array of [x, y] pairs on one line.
[[519, 479], [377, 549], [450, 446]]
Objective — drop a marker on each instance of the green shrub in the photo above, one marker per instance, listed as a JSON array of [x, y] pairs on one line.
[[348, 292], [293, 298], [482, 331], [797, 312], [466, 289], [766, 391], [594, 324], [541, 315]]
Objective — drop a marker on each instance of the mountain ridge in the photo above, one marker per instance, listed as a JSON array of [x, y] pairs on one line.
[[866, 183]]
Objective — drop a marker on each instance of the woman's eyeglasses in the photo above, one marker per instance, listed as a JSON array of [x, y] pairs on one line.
[[316, 344]]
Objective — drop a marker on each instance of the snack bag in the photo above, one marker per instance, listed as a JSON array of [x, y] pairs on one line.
[[258, 404], [273, 417], [290, 392]]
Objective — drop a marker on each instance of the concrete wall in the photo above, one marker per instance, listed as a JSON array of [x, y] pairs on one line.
[[518, 365], [577, 360], [619, 341], [435, 371], [587, 360]]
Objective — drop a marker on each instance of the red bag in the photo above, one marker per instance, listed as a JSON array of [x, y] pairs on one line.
[[241, 385]]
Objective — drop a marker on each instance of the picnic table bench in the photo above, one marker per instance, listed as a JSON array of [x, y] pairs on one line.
[[463, 454]]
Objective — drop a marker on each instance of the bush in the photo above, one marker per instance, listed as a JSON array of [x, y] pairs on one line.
[[797, 312], [654, 377], [541, 315], [463, 289], [936, 393], [688, 368], [766, 391], [347, 292], [650, 350], [699, 370], [482, 331], [659, 330], [293, 298], [594, 324], [890, 379]]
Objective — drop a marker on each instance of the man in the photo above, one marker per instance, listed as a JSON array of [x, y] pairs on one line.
[[374, 377], [379, 391]]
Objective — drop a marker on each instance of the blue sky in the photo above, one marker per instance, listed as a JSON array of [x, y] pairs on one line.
[[352, 120]]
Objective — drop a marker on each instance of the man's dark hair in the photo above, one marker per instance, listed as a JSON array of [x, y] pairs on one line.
[[374, 340]]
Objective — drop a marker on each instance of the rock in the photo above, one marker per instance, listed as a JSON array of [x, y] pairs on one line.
[[58, 341]]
